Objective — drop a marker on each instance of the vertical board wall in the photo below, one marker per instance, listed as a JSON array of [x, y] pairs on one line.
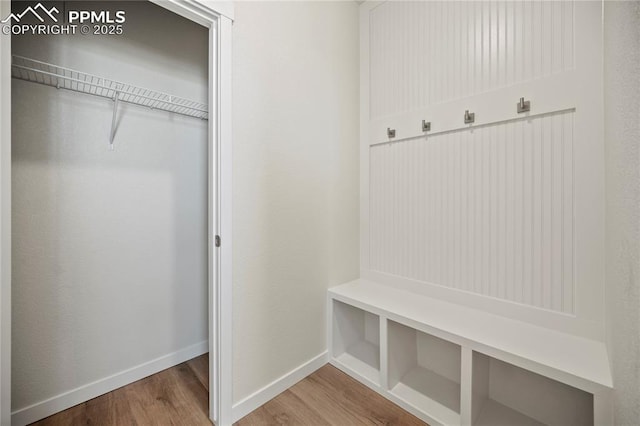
[[506, 214], [109, 248]]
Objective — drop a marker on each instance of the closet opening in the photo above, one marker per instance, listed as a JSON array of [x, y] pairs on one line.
[[115, 202]]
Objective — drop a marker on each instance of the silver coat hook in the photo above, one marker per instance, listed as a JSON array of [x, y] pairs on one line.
[[469, 117], [391, 133], [426, 125], [523, 106]]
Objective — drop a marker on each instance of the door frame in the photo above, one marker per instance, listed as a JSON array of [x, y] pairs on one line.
[[217, 16]]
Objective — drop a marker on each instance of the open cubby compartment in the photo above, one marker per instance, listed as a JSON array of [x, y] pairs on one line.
[[504, 394], [356, 340], [424, 372]]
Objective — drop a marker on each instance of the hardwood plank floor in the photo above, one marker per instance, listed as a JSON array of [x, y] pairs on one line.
[[329, 397], [178, 396], [200, 367]]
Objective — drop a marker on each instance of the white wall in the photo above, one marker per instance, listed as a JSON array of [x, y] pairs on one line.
[[622, 132], [295, 179], [109, 248]]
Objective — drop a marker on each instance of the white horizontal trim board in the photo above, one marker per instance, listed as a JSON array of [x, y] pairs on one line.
[[546, 318], [273, 389], [40, 410], [551, 95]]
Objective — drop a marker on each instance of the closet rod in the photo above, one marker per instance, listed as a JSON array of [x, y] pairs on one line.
[[77, 81]]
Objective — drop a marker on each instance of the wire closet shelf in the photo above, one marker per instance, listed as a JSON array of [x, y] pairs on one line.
[[77, 81]]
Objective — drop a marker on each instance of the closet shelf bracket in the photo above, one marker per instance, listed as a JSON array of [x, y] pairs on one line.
[[116, 99], [77, 81]]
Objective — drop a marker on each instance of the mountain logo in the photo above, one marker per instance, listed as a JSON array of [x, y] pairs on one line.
[[34, 11]]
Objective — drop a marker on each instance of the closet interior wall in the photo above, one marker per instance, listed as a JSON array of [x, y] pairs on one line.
[[109, 247]]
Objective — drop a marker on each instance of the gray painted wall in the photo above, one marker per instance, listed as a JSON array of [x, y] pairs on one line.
[[109, 248], [622, 134]]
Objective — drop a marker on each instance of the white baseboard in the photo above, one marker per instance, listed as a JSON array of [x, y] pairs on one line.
[[273, 389], [61, 402]]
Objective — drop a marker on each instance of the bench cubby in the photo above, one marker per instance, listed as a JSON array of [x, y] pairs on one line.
[[452, 365], [356, 340], [424, 371], [506, 394]]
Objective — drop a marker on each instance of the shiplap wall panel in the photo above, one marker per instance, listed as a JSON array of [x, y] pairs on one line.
[[425, 53], [487, 210]]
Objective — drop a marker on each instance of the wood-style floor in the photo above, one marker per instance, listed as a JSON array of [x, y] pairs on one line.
[[329, 397], [178, 396]]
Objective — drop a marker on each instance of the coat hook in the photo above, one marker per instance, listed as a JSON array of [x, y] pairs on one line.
[[391, 133], [523, 106], [469, 117], [426, 125]]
